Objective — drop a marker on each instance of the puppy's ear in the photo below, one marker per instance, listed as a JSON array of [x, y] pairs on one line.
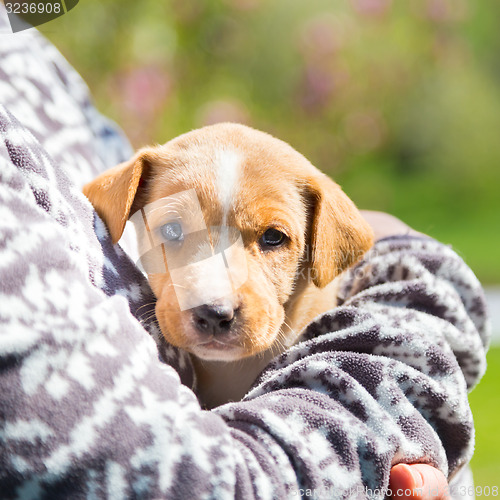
[[339, 234], [119, 192]]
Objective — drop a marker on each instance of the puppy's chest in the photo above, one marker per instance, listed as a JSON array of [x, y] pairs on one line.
[[220, 382]]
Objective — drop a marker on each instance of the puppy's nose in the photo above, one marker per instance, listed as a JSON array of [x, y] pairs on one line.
[[214, 317]]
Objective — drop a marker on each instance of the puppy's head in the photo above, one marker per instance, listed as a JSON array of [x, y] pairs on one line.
[[226, 216]]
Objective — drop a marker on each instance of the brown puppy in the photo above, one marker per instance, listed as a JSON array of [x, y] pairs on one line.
[[241, 238]]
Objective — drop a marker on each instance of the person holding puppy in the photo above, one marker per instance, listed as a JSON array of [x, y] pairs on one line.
[[89, 409]]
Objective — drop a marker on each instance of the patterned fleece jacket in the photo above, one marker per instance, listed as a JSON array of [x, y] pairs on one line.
[[94, 404]]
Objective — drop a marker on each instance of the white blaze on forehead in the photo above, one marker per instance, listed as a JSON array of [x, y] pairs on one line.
[[227, 165]]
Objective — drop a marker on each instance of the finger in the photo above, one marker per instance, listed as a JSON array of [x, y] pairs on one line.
[[419, 482]]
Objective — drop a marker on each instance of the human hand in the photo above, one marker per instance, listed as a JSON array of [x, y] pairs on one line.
[[385, 225], [419, 482]]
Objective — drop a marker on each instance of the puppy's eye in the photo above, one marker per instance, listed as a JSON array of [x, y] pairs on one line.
[[172, 231], [272, 238]]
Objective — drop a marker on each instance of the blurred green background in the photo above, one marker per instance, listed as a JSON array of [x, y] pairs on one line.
[[399, 101]]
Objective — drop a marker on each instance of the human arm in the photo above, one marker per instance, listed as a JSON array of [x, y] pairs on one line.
[[418, 481], [87, 404], [385, 225]]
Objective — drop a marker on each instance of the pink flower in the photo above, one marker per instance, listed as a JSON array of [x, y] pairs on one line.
[[244, 5], [317, 87], [321, 37], [443, 11], [320, 84], [223, 110], [144, 90], [373, 8], [139, 96]]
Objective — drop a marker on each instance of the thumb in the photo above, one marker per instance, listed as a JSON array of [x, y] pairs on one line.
[[418, 481]]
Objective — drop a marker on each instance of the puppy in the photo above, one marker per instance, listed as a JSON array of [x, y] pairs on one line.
[[241, 238]]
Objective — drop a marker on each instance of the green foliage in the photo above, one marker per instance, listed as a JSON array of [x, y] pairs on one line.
[[485, 404], [398, 101]]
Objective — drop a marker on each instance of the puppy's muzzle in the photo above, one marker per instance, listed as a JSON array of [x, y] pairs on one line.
[[216, 319]]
